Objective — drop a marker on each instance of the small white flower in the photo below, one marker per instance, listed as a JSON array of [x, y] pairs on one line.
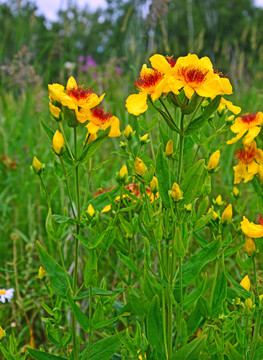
[[6, 295]]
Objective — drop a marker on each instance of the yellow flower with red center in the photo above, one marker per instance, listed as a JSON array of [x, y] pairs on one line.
[[249, 160], [197, 75], [100, 119], [74, 97], [248, 123], [251, 229], [150, 82]]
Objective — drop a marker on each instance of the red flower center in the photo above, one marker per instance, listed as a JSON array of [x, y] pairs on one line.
[[134, 189], [171, 60], [148, 81], [260, 220], [246, 156], [99, 113], [193, 75], [248, 118], [80, 93]]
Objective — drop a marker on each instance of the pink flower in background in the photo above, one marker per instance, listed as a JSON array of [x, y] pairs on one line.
[[118, 70], [90, 62]]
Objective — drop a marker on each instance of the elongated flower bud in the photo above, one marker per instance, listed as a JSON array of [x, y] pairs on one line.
[[58, 143], [213, 161], [154, 185], [219, 200], [250, 247], [41, 272], [128, 132], [169, 148], [37, 166], [245, 282], [91, 210], [176, 193], [144, 139], [235, 191], [139, 166], [227, 214]]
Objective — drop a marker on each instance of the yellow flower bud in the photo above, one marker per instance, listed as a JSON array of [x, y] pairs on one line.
[[205, 103], [188, 207], [219, 200], [245, 283], [248, 303], [261, 299], [250, 247], [214, 215], [41, 272], [37, 166], [227, 214], [176, 193], [2, 333], [230, 118], [90, 138], [139, 166], [154, 185], [55, 111], [128, 132], [91, 210], [213, 161], [123, 172], [260, 173], [106, 209], [58, 143], [144, 139], [235, 191], [169, 148]]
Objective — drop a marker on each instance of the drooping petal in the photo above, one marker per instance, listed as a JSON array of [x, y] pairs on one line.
[[115, 126], [239, 136], [233, 108], [250, 229], [136, 104], [252, 133], [158, 90], [240, 172]]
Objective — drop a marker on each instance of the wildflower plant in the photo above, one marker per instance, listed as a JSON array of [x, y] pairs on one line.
[[147, 276]]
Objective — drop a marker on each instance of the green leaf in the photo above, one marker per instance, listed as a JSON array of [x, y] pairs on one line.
[[81, 318], [49, 226], [92, 147], [100, 292], [155, 327], [128, 262], [70, 117], [233, 354], [244, 265], [242, 291], [188, 109], [61, 219], [58, 169], [203, 221], [191, 184], [162, 174], [219, 294], [179, 245], [56, 274], [104, 349], [199, 122], [195, 295], [6, 353], [49, 132], [127, 226], [166, 118], [90, 273], [193, 266], [191, 350], [40, 355]]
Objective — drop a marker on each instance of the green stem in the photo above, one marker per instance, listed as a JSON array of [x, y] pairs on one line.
[[90, 316], [256, 334], [181, 149], [181, 301], [255, 278], [214, 282], [67, 185], [64, 135], [45, 190], [75, 275]]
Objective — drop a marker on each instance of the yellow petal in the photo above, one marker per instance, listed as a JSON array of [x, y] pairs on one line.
[[188, 91], [106, 209], [250, 229], [71, 84], [158, 90], [252, 133], [240, 172], [159, 63], [115, 127], [92, 128], [252, 168], [136, 104], [235, 139], [233, 108]]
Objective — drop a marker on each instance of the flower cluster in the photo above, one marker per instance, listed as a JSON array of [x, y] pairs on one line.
[[78, 104], [170, 75]]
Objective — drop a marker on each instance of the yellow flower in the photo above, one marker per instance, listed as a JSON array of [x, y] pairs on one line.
[[245, 282], [154, 185], [247, 167], [169, 148], [55, 111], [100, 119], [250, 246], [252, 230], [41, 272], [144, 139], [150, 82], [2, 333], [139, 166], [214, 160], [91, 210], [235, 191], [227, 214], [249, 124], [37, 166], [58, 143], [197, 75], [55, 92], [176, 193], [128, 132]]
